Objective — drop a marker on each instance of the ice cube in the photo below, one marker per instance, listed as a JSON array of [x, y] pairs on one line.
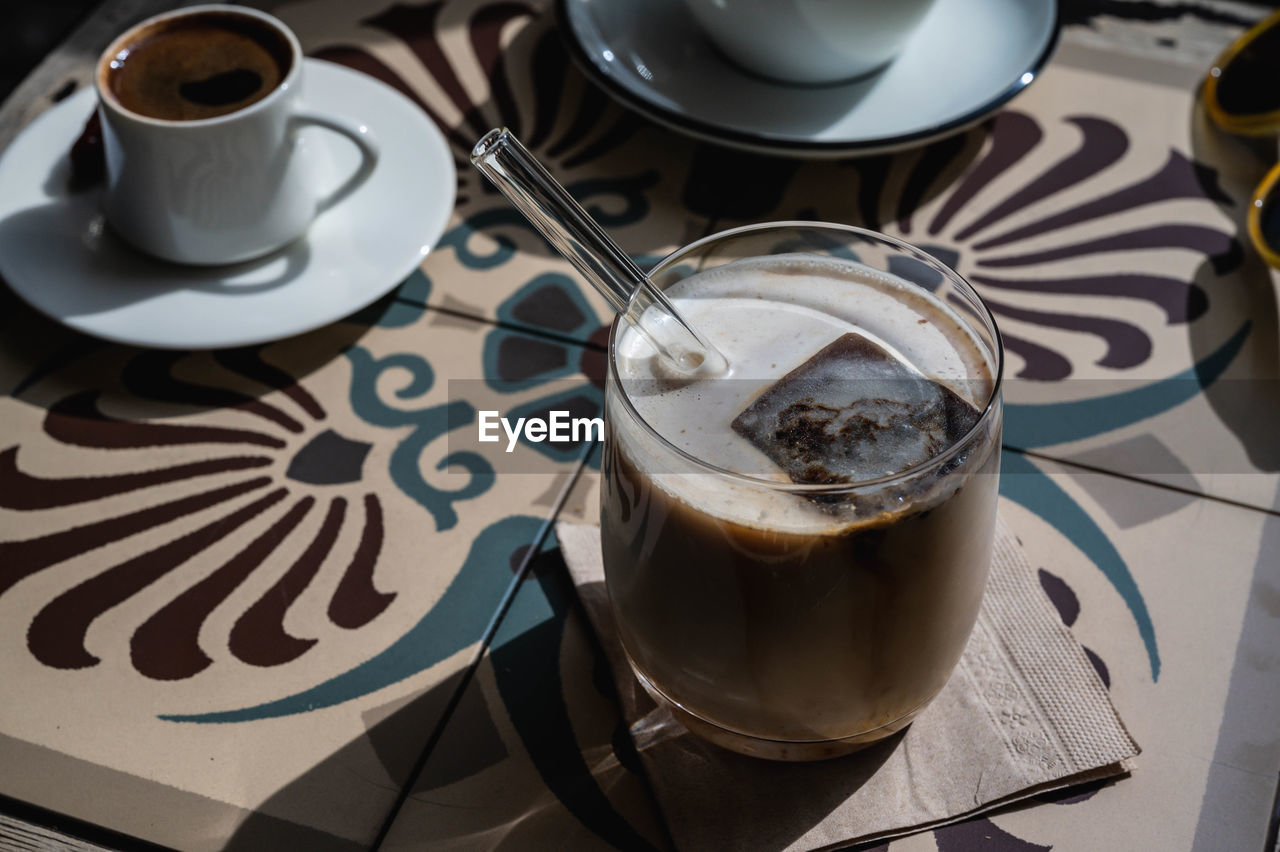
[[853, 412]]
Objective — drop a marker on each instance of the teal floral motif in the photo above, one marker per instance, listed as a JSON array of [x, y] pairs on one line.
[[429, 424], [1024, 483], [567, 339], [402, 307], [563, 309], [1045, 424], [552, 306], [584, 401], [599, 197], [1033, 426]]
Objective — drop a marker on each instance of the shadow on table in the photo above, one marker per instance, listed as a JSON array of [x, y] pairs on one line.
[[43, 363], [509, 760], [111, 275], [394, 735], [1247, 398], [534, 748]]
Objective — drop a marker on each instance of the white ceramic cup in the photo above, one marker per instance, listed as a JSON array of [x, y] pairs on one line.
[[809, 41], [223, 189]]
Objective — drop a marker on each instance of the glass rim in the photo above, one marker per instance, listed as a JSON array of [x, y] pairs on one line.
[[988, 409]]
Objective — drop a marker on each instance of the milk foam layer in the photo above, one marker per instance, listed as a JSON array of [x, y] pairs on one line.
[[767, 316]]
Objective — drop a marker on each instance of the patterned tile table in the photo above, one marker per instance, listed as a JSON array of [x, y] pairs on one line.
[[257, 598]]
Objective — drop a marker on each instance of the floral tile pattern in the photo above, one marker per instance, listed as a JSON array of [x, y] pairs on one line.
[[218, 540], [248, 596]]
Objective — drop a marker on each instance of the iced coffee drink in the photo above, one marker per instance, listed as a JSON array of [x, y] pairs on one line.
[[796, 552]]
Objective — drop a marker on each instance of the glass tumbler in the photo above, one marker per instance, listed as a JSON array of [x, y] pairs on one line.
[[800, 620]]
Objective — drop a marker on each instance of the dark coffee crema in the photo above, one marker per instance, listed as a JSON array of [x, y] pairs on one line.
[[198, 66]]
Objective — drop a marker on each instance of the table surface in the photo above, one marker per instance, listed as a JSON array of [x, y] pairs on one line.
[[206, 644]]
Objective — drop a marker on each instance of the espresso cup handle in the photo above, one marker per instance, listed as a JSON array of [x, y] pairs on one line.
[[357, 133]]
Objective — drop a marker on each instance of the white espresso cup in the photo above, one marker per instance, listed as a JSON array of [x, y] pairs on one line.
[[809, 41], [225, 188]]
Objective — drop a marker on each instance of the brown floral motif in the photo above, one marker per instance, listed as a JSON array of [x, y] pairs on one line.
[[568, 131], [999, 245], [975, 202], [257, 477]]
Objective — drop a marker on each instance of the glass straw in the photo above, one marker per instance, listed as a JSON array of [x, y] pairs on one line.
[[522, 179]]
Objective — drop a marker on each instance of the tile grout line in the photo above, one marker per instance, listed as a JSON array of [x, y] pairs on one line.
[[1129, 477], [485, 639], [503, 324]]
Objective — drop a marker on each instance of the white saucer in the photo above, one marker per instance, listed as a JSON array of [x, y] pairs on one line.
[[966, 59], [56, 254]]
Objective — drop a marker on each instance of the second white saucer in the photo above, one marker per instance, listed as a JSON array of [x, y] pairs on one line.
[[56, 253], [966, 58]]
